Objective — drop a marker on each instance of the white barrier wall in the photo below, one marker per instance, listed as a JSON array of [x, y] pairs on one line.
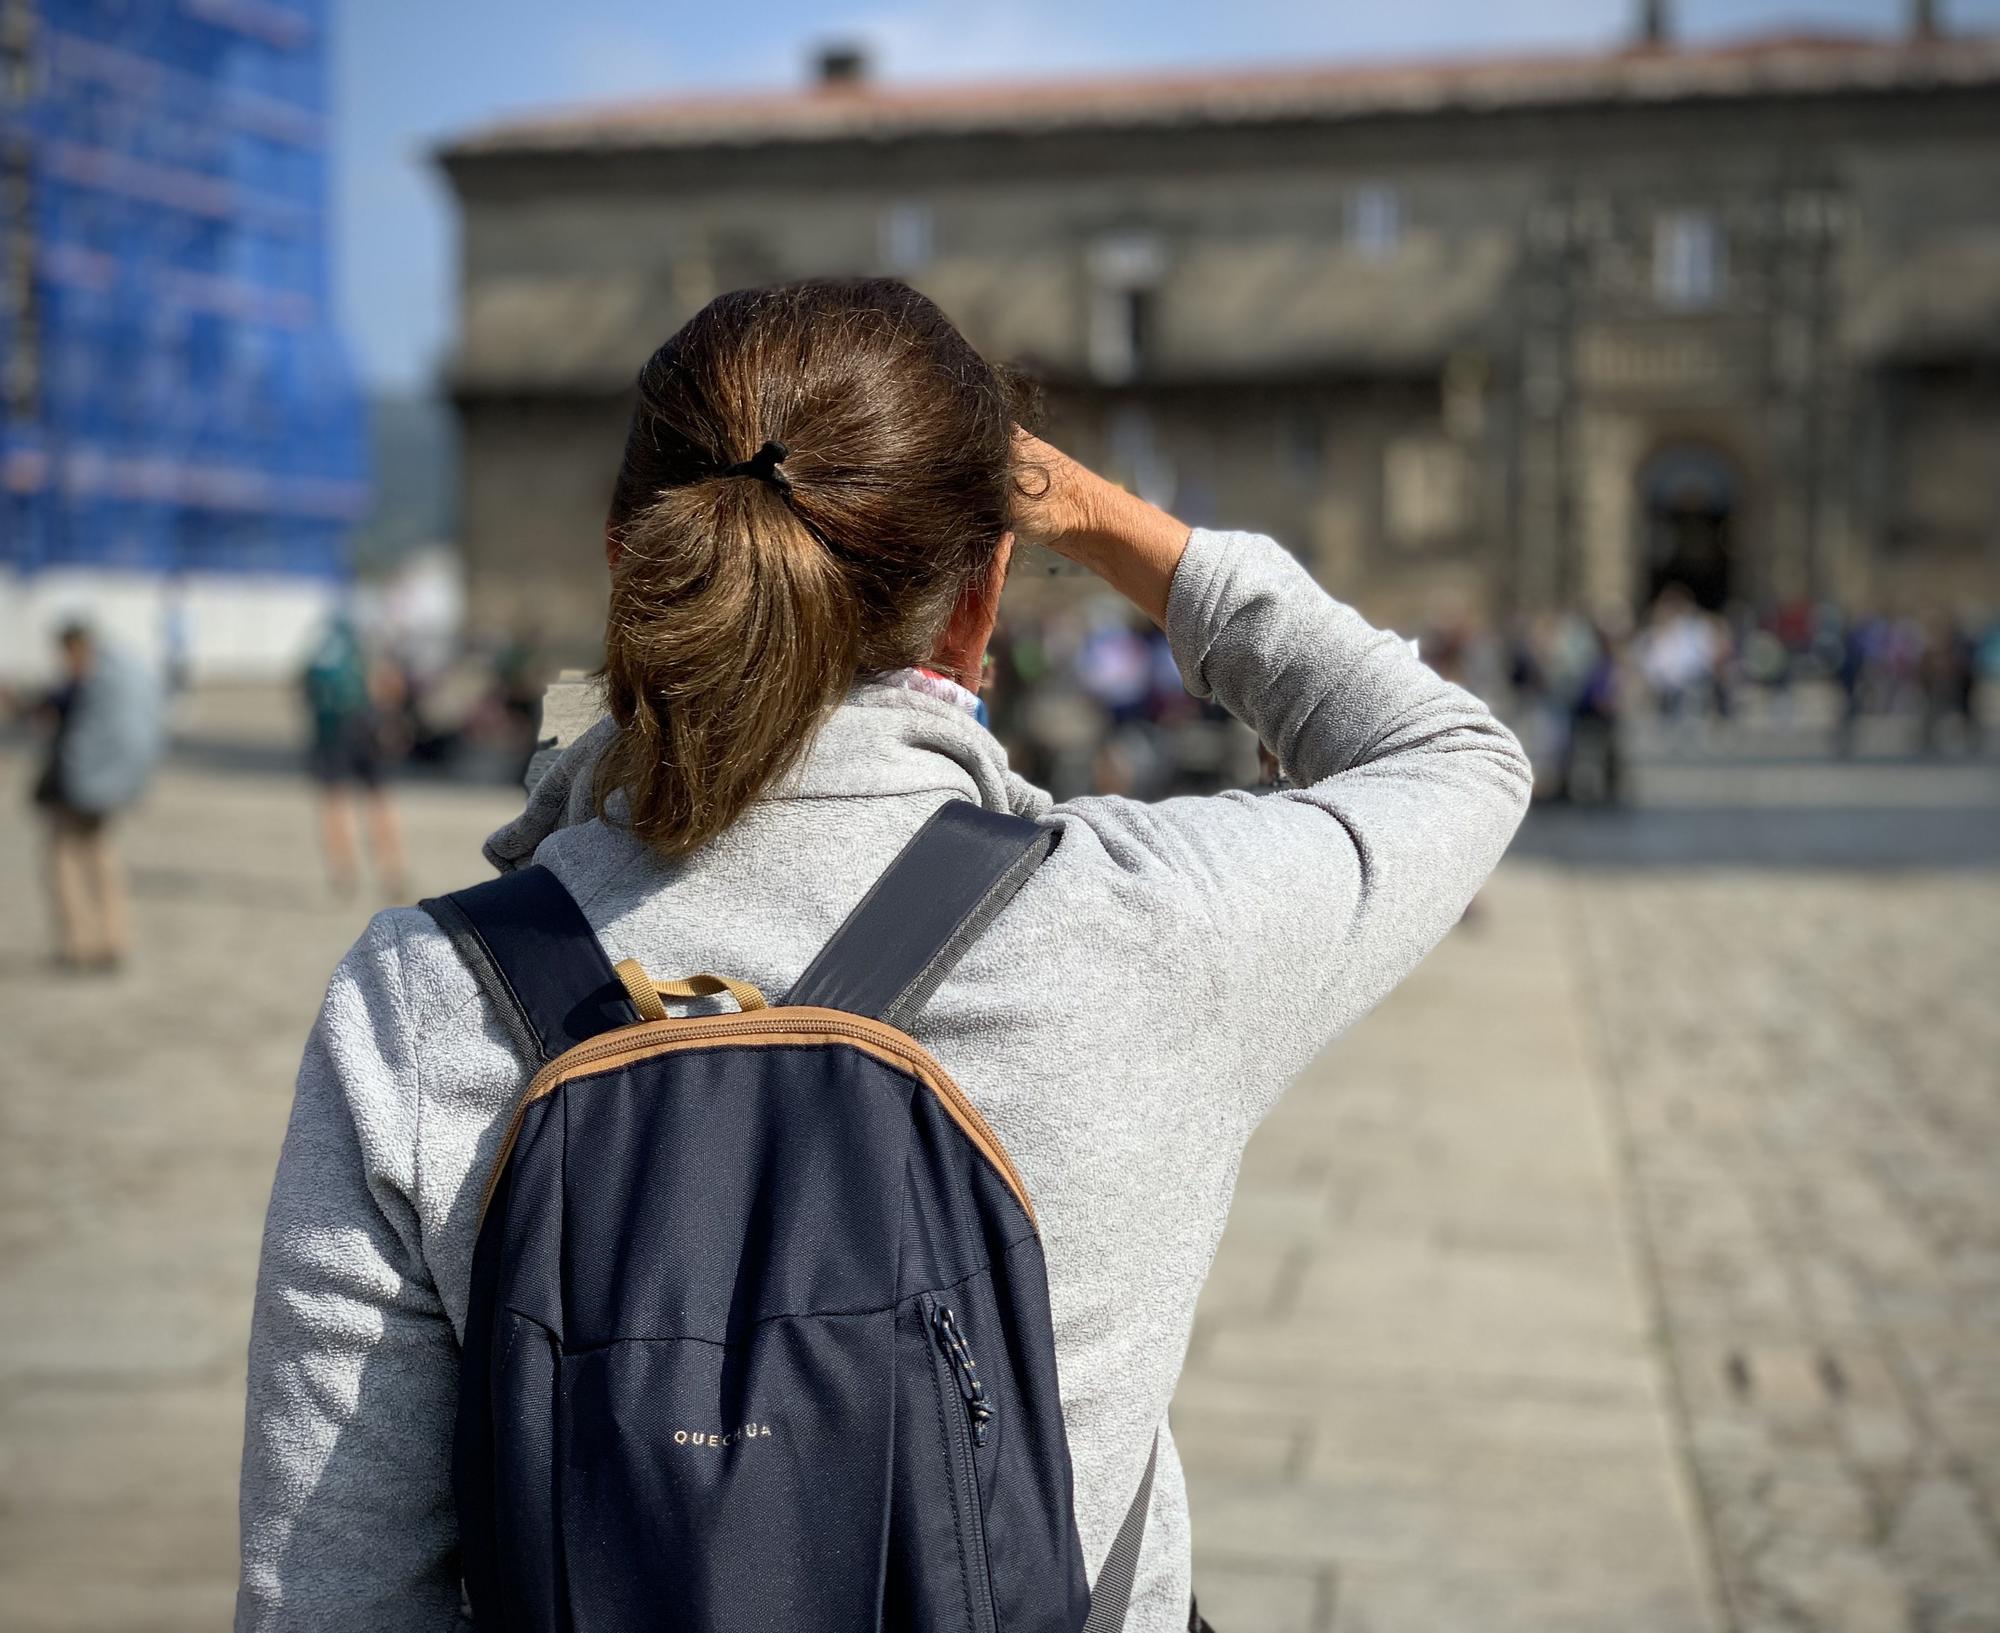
[[224, 627]]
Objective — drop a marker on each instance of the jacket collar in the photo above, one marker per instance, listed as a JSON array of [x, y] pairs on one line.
[[881, 741]]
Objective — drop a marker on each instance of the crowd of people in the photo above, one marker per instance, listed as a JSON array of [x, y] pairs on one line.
[[1089, 699], [368, 708], [1086, 698], [1572, 683]]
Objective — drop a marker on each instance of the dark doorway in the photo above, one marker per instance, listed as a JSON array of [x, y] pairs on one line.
[[1688, 506]]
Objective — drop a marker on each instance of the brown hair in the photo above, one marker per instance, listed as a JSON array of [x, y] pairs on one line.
[[744, 606]]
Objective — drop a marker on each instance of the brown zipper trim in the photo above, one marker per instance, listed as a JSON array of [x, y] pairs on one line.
[[767, 1028]]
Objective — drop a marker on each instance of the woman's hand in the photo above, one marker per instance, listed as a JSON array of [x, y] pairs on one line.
[[1132, 545]]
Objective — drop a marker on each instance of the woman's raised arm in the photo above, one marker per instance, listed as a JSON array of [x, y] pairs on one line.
[[1290, 915]]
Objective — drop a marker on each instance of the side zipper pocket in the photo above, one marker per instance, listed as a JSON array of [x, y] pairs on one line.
[[967, 1412]]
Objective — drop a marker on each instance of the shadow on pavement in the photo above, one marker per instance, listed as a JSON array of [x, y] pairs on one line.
[[1764, 836]]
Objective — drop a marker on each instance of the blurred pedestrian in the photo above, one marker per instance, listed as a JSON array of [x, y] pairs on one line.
[[1593, 755], [520, 676], [1948, 675], [1679, 654], [1725, 671], [105, 734], [1859, 640], [1115, 667], [347, 755]]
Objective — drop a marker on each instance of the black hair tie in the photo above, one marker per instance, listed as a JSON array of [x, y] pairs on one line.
[[763, 465]]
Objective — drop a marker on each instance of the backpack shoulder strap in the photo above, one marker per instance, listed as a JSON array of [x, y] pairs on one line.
[[917, 921], [536, 958], [1112, 1596]]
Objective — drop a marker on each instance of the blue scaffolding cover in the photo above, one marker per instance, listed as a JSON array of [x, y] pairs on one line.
[[173, 394]]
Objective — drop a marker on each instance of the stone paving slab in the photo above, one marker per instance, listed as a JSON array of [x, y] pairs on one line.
[[1424, 1368]]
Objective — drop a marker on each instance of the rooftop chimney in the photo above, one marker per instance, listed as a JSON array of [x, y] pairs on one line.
[[1655, 27], [1924, 23], [841, 66]]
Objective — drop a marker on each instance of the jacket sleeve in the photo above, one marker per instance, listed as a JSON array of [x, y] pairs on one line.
[[1298, 911], [347, 1518]]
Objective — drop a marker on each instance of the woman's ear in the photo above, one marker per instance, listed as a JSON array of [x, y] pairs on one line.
[[996, 576], [961, 653], [612, 548]]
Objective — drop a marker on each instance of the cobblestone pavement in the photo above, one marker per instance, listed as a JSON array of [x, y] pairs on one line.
[[1807, 1076], [1635, 1269]]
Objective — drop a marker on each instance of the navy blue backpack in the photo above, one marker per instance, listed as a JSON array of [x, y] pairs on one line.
[[759, 1330]]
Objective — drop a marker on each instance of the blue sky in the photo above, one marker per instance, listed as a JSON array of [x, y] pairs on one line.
[[408, 72]]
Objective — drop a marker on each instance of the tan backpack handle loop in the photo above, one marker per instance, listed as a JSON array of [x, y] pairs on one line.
[[647, 995], [707, 986]]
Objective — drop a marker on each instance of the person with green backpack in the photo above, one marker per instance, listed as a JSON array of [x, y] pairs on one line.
[[345, 755]]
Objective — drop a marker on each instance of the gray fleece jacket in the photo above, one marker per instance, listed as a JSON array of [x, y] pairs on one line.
[[1122, 1026]]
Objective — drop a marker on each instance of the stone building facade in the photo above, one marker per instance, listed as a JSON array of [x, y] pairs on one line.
[[1490, 336]]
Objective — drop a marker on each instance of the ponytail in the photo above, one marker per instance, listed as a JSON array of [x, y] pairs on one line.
[[729, 637]]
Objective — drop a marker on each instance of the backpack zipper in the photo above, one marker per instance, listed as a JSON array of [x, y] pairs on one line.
[[949, 1344], [978, 1410], [637, 1042]]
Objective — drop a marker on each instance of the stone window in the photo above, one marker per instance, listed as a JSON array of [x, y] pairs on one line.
[[1687, 259], [1125, 272], [907, 233], [1135, 455], [1374, 220]]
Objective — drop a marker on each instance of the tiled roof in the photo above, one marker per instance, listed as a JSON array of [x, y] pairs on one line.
[[1793, 65]]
